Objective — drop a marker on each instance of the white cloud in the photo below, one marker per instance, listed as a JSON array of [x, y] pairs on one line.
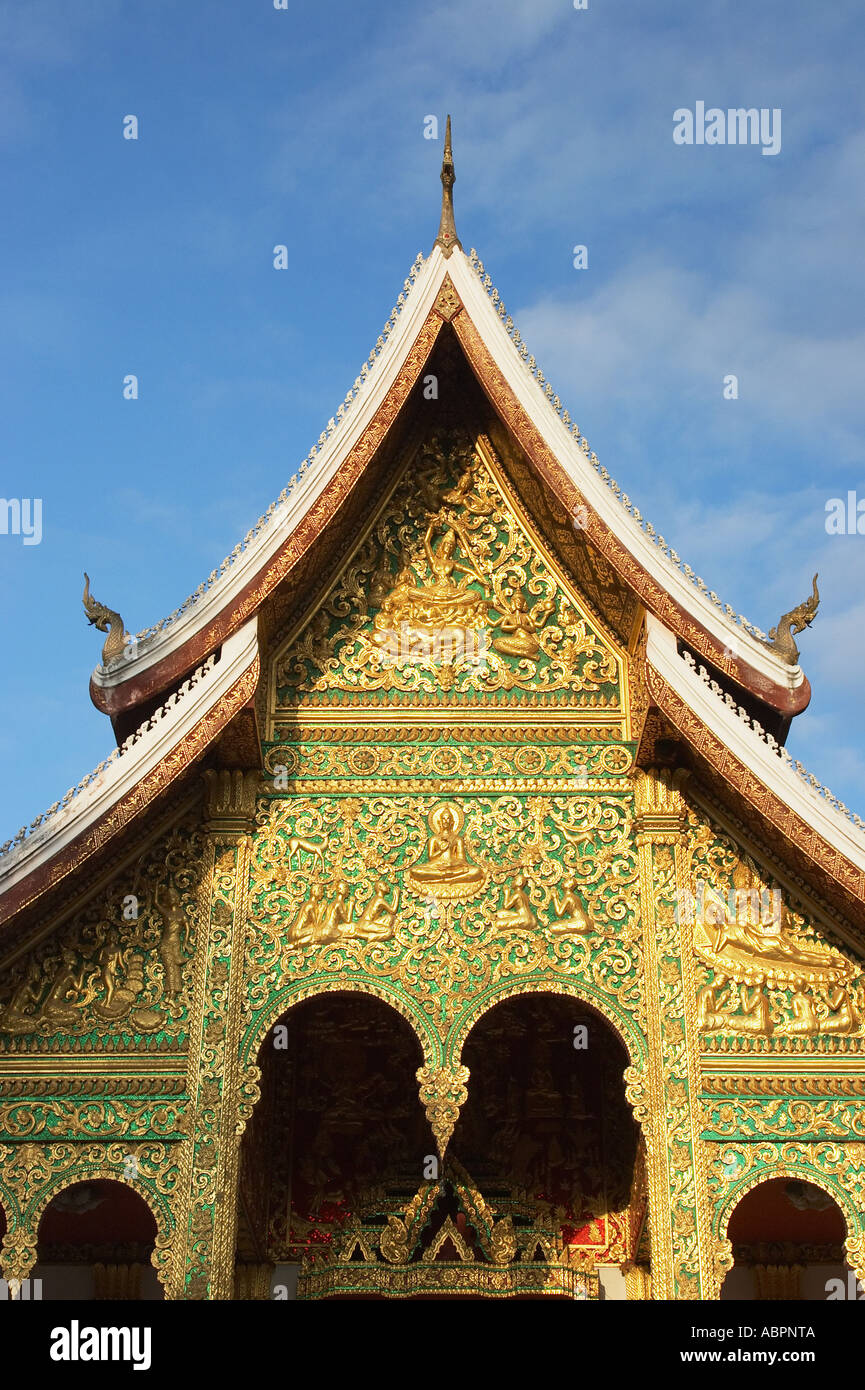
[[654, 333]]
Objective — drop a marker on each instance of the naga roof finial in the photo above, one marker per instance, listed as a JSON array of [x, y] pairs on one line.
[[106, 620], [781, 636], [447, 238]]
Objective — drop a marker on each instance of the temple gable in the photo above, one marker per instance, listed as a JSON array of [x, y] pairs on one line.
[[449, 597]]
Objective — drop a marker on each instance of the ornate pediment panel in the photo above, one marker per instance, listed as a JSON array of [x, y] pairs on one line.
[[446, 896], [113, 977], [447, 794], [449, 598], [772, 976]]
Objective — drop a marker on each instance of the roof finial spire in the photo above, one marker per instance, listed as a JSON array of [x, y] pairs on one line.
[[447, 238]]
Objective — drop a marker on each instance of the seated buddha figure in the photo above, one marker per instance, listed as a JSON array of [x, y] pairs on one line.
[[306, 927], [441, 602], [447, 870], [336, 915], [58, 1010], [843, 1016], [15, 1018], [804, 1020], [755, 1016], [710, 1015]]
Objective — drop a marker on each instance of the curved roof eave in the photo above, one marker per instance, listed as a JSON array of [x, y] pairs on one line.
[[810, 818], [535, 416], [643, 560], [133, 777]]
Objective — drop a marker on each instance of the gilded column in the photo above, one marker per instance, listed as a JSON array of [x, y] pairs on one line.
[[17, 1255], [204, 1267], [682, 1249], [252, 1282], [638, 1282]]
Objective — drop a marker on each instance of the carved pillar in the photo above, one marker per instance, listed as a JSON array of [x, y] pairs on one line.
[[252, 1281], [638, 1282], [17, 1255], [854, 1247], [207, 1230], [683, 1256]]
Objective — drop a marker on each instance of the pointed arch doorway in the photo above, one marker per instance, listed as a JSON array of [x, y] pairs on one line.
[[550, 1139], [338, 1125], [541, 1192]]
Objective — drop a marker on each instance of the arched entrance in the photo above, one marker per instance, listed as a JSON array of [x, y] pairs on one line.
[[95, 1242], [788, 1243], [549, 1138], [541, 1191], [338, 1138]]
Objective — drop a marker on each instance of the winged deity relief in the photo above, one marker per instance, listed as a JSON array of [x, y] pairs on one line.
[[441, 604]]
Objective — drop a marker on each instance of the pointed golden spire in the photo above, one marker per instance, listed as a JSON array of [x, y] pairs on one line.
[[447, 238]]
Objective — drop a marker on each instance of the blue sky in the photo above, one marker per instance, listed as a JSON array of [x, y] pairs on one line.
[[305, 127]]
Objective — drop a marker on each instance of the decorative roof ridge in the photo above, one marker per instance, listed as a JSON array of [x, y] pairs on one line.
[[754, 726], [274, 514], [8, 850], [669, 556]]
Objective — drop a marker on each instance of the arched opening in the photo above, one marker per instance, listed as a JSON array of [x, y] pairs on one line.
[[788, 1243], [337, 1141], [95, 1242], [550, 1140]]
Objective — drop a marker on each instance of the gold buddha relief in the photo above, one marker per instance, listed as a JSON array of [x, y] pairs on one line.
[[571, 915], [447, 872], [319, 922], [517, 912]]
